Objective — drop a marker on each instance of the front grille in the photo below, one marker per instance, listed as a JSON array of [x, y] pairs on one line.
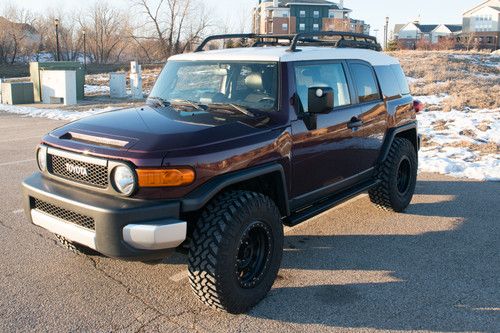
[[96, 175], [66, 215]]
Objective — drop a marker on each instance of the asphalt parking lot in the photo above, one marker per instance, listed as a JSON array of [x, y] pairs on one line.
[[354, 268]]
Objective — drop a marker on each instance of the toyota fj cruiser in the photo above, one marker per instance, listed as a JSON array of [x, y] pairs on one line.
[[231, 145]]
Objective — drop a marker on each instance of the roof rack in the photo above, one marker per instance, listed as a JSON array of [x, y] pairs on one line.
[[345, 40]]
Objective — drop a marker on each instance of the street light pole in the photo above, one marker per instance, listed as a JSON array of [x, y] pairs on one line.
[[56, 22], [386, 32], [84, 50]]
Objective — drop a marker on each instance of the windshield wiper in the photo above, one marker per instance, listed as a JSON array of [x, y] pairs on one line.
[[234, 107], [184, 102], [160, 101]]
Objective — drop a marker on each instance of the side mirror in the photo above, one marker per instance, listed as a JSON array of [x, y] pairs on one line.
[[320, 100]]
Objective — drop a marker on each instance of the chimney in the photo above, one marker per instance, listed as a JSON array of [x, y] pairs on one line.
[[275, 3], [341, 4]]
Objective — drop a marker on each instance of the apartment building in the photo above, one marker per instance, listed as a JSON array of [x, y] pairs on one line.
[[294, 16], [410, 34], [481, 26]]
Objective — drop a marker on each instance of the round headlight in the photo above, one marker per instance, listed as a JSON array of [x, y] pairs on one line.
[[41, 157], [124, 179]]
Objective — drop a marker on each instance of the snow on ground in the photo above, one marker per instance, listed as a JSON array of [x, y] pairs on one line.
[[461, 144], [432, 99], [51, 113], [96, 90]]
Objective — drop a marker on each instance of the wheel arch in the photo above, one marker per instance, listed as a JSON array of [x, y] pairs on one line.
[[408, 131], [267, 179]]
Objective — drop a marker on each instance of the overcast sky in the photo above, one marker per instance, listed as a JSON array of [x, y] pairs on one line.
[[233, 12]]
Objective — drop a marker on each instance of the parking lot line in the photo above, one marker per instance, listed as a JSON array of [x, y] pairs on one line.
[[17, 162]]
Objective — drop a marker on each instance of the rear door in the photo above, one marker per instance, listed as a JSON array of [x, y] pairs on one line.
[[372, 114]]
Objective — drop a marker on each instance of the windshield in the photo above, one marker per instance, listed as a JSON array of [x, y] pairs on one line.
[[251, 85]]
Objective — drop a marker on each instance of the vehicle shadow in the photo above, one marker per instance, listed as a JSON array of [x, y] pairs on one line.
[[439, 280]]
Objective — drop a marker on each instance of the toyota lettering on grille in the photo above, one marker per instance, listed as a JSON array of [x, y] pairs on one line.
[[77, 170]]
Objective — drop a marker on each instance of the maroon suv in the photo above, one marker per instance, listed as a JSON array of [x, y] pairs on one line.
[[231, 145]]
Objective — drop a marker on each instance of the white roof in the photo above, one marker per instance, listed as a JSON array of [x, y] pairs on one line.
[[280, 54]]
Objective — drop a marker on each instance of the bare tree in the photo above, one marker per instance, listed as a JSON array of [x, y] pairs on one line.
[[18, 37], [106, 30], [471, 41], [173, 24]]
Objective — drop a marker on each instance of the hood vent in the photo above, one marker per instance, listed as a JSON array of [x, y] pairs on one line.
[[97, 140]]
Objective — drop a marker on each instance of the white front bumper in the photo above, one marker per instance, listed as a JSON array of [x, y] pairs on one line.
[[69, 231]]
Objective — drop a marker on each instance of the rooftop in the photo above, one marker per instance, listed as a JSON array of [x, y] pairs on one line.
[[331, 4], [425, 28], [281, 54]]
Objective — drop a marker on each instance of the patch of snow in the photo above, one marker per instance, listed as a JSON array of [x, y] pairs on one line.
[[54, 114], [432, 99], [96, 90], [412, 80], [488, 76], [447, 154]]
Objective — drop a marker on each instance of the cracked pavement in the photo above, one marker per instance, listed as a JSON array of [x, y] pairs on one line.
[[354, 268]]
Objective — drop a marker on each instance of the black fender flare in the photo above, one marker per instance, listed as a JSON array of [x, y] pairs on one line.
[[198, 198], [391, 135]]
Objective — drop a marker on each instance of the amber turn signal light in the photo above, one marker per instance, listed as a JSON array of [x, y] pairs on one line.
[[165, 177]]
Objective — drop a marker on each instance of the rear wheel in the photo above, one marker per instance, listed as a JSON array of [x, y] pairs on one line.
[[397, 177], [236, 251]]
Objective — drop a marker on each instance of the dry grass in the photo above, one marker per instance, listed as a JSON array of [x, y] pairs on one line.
[[472, 80]]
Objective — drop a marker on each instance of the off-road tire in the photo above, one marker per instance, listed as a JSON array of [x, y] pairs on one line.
[[386, 195], [75, 247], [216, 246]]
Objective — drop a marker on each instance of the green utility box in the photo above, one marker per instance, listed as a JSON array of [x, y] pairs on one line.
[[17, 93], [37, 67]]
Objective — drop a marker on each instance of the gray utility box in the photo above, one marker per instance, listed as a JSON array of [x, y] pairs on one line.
[[37, 67], [17, 93]]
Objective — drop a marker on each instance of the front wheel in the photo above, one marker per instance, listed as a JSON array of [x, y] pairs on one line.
[[236, 251], [397, 177]]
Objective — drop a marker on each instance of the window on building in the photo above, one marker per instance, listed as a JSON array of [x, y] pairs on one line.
[[331, 14], [326, 75], [285, 14], [302, 27], [284, 26], [365, 82], [316, 14], [316, 27], [302, 13]]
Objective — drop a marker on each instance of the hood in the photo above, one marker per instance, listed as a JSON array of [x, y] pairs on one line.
[[149, 129]]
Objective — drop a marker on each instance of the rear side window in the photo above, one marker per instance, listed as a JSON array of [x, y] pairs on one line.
[[365, 82], [388, 81], [401, 77]]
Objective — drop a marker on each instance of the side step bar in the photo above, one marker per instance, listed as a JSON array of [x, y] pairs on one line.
[[328, 203]]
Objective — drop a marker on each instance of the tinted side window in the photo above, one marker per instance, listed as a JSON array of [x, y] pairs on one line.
[[388, 81], [323, 75], [365, 82], [401, 77]]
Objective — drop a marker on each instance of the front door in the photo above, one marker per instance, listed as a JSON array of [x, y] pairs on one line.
[[335, 148]]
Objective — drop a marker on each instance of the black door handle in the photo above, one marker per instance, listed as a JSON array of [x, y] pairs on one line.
[[354, 123]]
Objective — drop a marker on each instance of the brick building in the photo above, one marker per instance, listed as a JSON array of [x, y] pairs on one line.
[[294, 16]]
